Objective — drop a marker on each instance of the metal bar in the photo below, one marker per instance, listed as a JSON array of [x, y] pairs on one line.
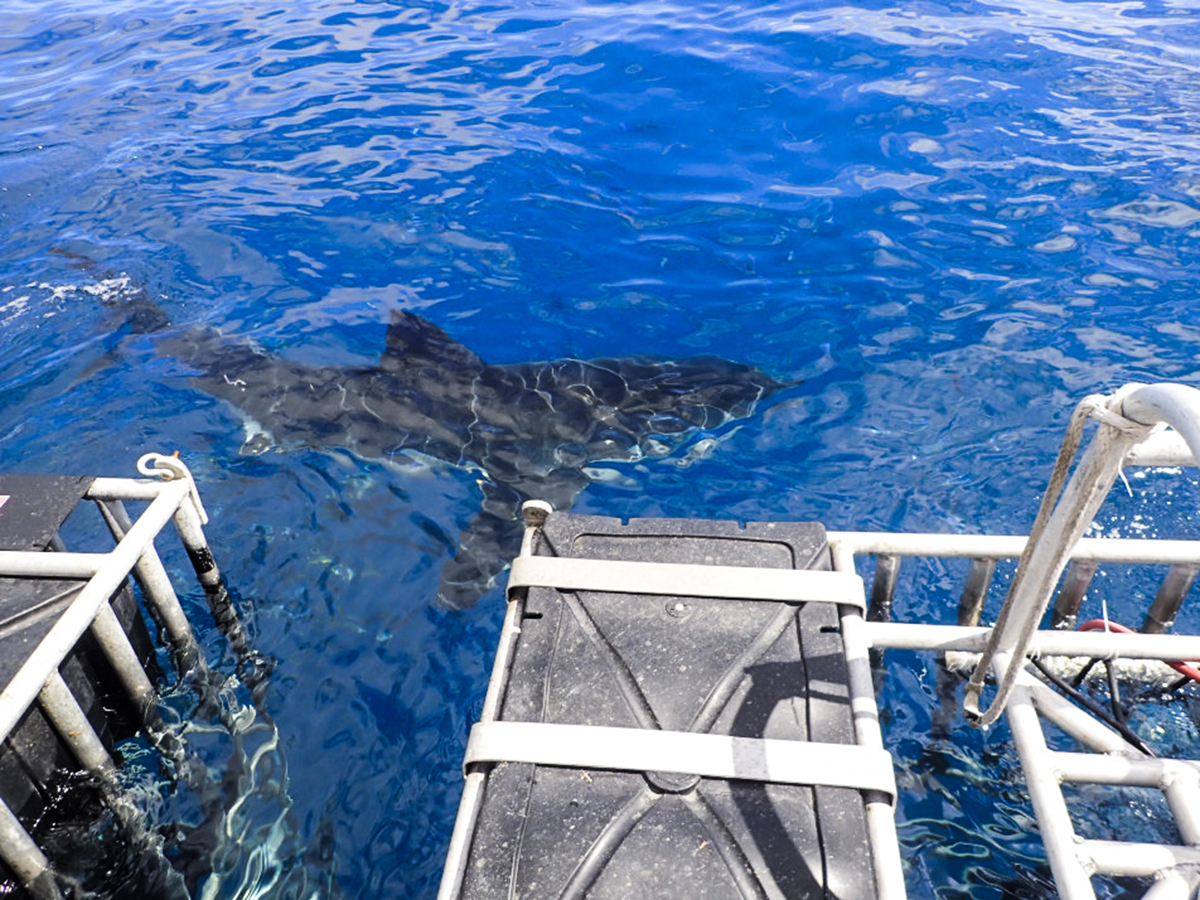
[[1182, 788], [454, 869], [880, 813], [124, 659], [39, 564], [1161, 449], [1113, 550], [1105, 768], [124, 489], [157, 588], [1177, 405], [979, 579], [1054, 821], [23, 857], [191, 532], [1137, 860], [28, 682], [1173, 885], [1098, 644], [1075, 721], [1171, 593], [1071, 594], [862, 691], [76, 731], [883, 589], [73, 726]]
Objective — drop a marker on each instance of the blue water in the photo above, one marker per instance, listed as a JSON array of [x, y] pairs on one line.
[[950, 220]]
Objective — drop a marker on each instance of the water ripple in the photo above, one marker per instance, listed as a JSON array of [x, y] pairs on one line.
[[947, 221]]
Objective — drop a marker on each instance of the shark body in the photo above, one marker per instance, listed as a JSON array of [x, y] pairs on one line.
[[531, 428]]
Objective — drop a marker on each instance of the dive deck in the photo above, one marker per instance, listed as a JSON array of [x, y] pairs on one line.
[[672, 716]]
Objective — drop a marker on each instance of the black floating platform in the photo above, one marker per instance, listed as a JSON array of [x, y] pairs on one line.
[[743, 668], [36, 766]]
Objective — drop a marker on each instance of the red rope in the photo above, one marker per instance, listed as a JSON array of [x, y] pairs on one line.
[[1101, 625]]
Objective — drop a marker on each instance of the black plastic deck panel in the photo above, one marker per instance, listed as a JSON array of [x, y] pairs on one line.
[[743, 668], [34, 762]]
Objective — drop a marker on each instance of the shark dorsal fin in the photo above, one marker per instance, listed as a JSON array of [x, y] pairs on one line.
[[414, 342]]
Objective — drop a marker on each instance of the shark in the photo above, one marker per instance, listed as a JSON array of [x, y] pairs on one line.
[[531, 429]]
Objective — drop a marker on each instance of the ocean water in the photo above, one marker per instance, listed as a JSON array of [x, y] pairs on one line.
[[948, 221]]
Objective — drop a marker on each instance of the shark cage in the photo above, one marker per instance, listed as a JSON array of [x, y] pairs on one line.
[[79, 666], [683, 708]]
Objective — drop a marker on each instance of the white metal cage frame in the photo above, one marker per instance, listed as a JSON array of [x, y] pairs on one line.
[[1132, 431], [39, 681], [1155, 425], [1106, 757]]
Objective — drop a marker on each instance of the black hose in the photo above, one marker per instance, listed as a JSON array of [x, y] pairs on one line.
[[1094, 708]]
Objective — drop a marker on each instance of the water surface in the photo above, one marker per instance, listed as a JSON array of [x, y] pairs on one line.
[[950, 220]]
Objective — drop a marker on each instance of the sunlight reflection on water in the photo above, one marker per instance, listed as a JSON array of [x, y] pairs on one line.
[[949, 221]]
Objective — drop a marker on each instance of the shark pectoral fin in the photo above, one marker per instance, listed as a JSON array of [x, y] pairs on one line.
[[493, 536], [485, 547]]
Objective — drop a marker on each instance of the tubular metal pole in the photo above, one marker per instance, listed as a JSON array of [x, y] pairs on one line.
[[1182, 788], [32, 676], [191, 532], [535, 513], [1075, 721], [156, 587], [1054, 821], [124, 489], [1071, 594], [1097, 644], [39, 564], [24, 858], [1137, 860], [880, 813], [1105, 768], [1161, 449], [1000, 546], [1172, 885], [1175, 404], [124, 659], [883, 589], [73, 726], [1171, 593], [76, 731], [979, 579]]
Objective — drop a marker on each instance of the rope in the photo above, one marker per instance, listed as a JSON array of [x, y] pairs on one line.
[[1094, 406]]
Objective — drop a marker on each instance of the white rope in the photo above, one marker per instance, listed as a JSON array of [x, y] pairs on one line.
[[1103, 409], [172, 468], [1094, 406]]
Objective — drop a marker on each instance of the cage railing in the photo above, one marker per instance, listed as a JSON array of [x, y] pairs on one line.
[[38, 680], [1055, 557]]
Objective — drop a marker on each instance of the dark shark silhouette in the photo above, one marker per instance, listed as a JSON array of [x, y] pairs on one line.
[[530, 428]]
